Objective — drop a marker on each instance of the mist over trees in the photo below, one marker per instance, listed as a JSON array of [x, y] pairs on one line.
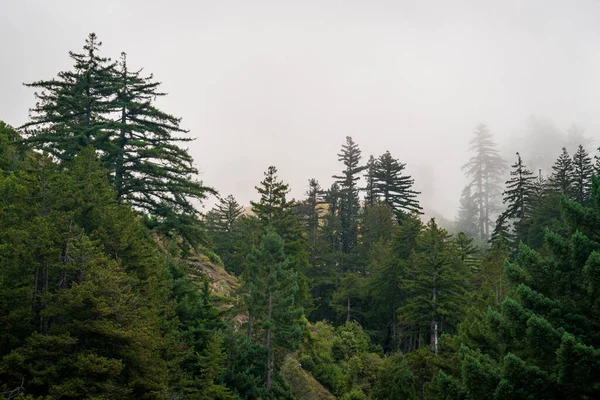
[[115, 283]]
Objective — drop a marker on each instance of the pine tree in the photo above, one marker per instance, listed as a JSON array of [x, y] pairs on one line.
[[273, 203], [388, 263], [212, 365], [582, 175], [314, 199], [394, 188], [349, 203], [370, 191], [277, 213], [104, 104], [562, 176], [502, 232], [435, 285], [223, 228], [151, 170], [72, 111], [518, 196], [484, 169], [272, 286], [467, 220]]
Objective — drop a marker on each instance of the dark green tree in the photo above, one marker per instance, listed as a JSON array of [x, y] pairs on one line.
[[349, 204], [370, 192], [273, 205], [277, 213], [72, 111], [272, 285], [105, 104], [435, 284], [389, 260], [562, 178], [224, 228], [84, 291], [518, 197], [394, 188], [151, 170], [212, 367], [312, 209], [582, 175]]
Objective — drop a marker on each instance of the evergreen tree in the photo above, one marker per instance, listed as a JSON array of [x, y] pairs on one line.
[[104, 104], [503, 232], [73, 110], [370, 191], [272, 206], [539, 188], [435, 285], [272, 286], [224, 230], [84, 291], [277, 213], [394, 188], [484, 169], [582, 175], [562, 178], [314, 199], [151, 170], [349, 203], [332, 227], [212, 366], [467, 220], [518, 196], [388, 266]]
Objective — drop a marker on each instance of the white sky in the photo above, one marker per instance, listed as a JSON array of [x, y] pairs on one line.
[[283, 82]]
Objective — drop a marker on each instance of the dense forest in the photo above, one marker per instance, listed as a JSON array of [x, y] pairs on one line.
[[114, 285]]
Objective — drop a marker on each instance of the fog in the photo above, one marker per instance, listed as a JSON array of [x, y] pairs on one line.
[[283, 82]]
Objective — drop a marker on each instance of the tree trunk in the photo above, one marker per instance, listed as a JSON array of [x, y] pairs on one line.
[[269, 341]]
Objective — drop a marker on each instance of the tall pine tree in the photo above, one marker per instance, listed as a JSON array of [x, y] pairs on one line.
[[518, 197], [394, 188], [562, 176], [484, 170], [582, 175], [348, 183]]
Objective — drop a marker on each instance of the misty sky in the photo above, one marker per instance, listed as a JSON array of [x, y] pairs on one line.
[[283, 82]]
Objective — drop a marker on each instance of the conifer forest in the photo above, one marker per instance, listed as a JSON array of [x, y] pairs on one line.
[[123, 275]]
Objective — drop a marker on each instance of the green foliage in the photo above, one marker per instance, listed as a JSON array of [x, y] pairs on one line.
[[140, 149], [394, 188], [395, 380], [349, 204], [81, 288]]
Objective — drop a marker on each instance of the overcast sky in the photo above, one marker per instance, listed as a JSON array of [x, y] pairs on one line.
[[282, 83]]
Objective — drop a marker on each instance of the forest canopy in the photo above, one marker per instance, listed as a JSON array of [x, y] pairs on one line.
[[116, 284]]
